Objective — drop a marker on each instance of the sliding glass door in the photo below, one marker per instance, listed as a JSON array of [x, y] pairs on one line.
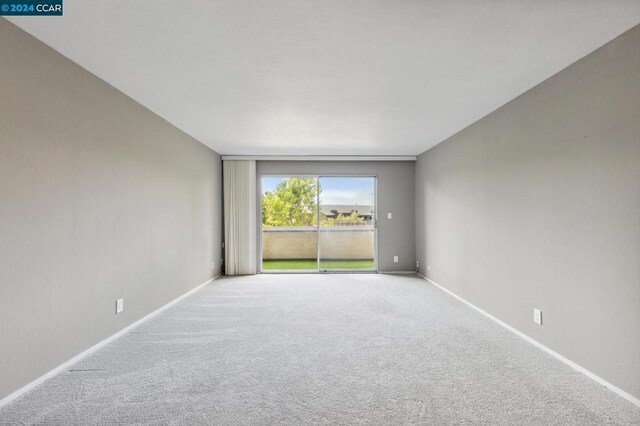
[[318, 223], [347, 223], [290, 223]]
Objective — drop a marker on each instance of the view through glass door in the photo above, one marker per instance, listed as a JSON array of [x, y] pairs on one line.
[[347, 223], [312, 223]]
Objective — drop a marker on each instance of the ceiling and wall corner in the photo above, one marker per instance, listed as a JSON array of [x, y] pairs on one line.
[[324, 77]]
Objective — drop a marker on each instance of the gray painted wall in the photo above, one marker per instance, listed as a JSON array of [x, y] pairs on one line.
[[395, 195], [99, 199], [538, 205]]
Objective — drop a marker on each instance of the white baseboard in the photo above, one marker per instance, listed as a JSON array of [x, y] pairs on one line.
[[397, 272], [539, 345], [64, 366]]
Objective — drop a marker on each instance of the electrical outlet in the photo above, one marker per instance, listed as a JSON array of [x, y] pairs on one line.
[[395, 259], [537, 316], [389, 216], [417, 264], [213, 265], [119, 305], [428, 267]]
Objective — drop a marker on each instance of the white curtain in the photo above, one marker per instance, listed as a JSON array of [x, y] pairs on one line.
[[239, 177]]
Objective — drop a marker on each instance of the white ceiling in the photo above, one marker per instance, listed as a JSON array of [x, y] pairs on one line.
[[328, 77]]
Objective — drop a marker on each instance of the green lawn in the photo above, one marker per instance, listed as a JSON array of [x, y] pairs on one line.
[[311, 264]]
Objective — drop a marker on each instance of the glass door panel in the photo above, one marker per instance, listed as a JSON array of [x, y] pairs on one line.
[[289, 223], [347, 223]]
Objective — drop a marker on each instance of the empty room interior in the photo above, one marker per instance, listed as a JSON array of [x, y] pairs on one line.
[[319, 212]]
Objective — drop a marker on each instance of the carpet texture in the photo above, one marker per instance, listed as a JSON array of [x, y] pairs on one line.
[[320, 349]]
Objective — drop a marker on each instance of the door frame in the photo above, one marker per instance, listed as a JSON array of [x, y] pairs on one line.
[[317, 177]]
